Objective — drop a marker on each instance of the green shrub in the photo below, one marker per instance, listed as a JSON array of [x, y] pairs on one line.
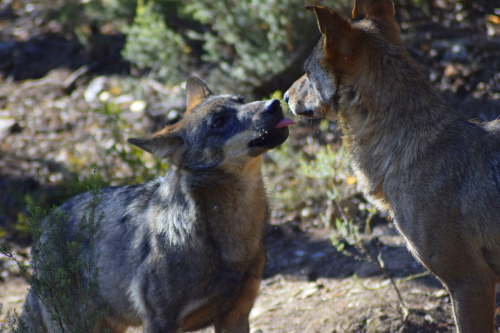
[[252, 41], [152, 44], [64, 272], [311, 178], [75, 16], [247, 44]]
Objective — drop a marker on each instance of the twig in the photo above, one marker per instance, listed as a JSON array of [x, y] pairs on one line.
[[378, 261]]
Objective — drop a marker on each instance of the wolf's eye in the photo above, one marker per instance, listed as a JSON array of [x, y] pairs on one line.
[[219, 122]]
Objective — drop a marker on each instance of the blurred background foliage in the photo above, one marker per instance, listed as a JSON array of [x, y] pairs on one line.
[[255, 48], [254, 44]]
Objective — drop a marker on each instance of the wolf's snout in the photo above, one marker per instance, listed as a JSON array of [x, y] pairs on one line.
[[273, 107]]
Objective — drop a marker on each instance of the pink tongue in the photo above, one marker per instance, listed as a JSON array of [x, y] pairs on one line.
[[285, 122]]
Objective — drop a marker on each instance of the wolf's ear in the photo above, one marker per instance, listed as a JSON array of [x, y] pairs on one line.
[[380, 11], [340, 38], [197, 92], [161, 144]]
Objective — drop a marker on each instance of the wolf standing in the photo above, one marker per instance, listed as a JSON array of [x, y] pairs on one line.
[[186, 250], [437, 174]]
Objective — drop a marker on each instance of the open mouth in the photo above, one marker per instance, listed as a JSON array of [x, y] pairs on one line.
[[273, 137], [308, 114]]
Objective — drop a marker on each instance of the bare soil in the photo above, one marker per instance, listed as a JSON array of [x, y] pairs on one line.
[[310, 287]]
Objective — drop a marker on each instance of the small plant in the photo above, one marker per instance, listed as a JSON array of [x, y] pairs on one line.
[[320, 179], [248, 43], [14, 324], [64, 271], [349, 233], [316, 176]]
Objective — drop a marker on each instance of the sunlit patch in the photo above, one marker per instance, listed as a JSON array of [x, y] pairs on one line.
[[351, 180]]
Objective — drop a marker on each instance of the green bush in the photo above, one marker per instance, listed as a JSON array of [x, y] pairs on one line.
[[63, 272], [75, 15], [248, 44], [152, 44], [311, 178], [252, 41]]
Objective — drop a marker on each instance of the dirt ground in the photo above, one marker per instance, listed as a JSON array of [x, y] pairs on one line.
[[308, 286]]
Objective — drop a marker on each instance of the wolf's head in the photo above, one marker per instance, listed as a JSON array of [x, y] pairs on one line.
[[346, 48], [218, 132]]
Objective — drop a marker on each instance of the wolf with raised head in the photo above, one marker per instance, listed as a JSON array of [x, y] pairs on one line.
[[185, 251]]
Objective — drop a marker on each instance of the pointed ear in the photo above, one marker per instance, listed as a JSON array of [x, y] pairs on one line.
[[339, 36], [197, 92], [380, 11], [161, 144]]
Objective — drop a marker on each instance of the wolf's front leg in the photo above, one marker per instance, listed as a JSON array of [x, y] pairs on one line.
[[236, 320]]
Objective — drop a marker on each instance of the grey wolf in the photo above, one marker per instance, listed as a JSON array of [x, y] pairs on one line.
[[437, 174], [185, 251]]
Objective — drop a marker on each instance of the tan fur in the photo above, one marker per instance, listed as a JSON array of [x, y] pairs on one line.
[[437, 174], [197, 93]]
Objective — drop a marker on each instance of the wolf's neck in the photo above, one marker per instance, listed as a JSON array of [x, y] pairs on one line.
[[398, 133], [235, 212], [389, 123], [394, 113], [232, 211]]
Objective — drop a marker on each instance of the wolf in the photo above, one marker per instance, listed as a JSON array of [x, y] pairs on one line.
[[185, 251], [436, 173]]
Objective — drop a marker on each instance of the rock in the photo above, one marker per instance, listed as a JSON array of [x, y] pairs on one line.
[[138, 106], [94, 89], [5, 126]]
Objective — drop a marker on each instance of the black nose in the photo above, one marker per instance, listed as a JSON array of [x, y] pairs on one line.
[[286, 97], [273, 107]]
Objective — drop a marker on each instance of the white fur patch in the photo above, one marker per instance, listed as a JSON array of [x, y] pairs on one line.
[[135, 296], [192, 307]]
